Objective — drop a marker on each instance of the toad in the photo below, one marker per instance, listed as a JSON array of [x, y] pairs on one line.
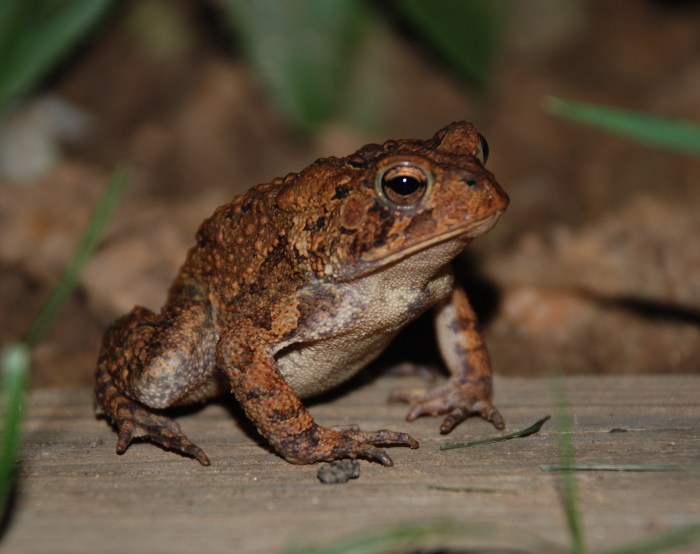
[[296, 285]]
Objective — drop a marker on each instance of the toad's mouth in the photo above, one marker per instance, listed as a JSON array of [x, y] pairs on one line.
[[464, 234]]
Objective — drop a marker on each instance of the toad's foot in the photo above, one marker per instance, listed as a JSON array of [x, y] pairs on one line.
[[321, 444], [458, 400], [133, 420]]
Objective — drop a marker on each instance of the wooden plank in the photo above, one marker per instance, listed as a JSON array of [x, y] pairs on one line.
[[76, 495]]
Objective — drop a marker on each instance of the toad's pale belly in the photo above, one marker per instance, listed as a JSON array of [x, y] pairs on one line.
[[315, 368], [366, 315]]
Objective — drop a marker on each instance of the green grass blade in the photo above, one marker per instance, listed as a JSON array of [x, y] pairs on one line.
[[682, 136], [684, 536], [14, 369], [567, 459], [534, 428], [88, 243]]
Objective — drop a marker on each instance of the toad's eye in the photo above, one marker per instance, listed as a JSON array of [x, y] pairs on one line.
[[482, 151], [403, 183]]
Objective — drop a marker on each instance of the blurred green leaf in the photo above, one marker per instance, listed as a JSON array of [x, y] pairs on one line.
[[303, 50], [14, 368], [465, 32], [651, 129], [35, 34], [11, 15]]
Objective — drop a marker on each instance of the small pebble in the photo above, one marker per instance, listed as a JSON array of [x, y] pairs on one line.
[[339, 471]]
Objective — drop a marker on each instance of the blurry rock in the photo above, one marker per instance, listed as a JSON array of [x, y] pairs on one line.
[[142, 252], [32, 133], [40, 224], [135, 265], [540, 331], [648, 251], [621, 295]]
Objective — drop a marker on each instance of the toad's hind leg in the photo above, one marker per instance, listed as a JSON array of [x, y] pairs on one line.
[[149, 362]]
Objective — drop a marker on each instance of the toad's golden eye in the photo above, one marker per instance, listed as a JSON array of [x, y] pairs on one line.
[[403, 184], [482, 151]]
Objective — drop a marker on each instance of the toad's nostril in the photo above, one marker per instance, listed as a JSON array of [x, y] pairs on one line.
[[471, 182]]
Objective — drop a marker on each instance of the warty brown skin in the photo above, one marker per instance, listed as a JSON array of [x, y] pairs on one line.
[[295, 286]]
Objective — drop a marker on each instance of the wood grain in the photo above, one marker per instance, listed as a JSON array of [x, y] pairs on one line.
[[76, 495]]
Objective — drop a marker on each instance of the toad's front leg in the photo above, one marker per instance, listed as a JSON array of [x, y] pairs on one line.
[[469, 389], [271, 403]]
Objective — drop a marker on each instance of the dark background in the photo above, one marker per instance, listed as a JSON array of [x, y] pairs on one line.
[[594, 268]]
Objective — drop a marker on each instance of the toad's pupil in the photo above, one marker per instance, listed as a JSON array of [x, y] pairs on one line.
[[403, 185]]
